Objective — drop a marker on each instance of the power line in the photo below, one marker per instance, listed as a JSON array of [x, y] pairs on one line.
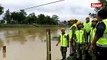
[[42, 5]]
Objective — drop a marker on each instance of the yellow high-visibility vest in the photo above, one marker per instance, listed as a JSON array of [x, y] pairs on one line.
[[87, 26], [79, 36], [92, 33], [74, 25], [63, 40], [70, 34], [103, 39]]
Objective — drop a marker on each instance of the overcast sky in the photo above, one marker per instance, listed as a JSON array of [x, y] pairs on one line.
[[65, 10]]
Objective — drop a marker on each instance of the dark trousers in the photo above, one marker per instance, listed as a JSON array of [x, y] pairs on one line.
[[63, 52], [87, 37], [90, 55], [101, 53], [72, 48], [80, 51]]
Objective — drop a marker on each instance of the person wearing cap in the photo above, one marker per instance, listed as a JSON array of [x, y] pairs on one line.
[[92, 34], [99, 43], [80, 41], [87, 28], [72, 21], [72, 30], [64, 43], [93, 29]]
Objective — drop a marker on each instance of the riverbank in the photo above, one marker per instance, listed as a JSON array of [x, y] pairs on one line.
[[27, 26]]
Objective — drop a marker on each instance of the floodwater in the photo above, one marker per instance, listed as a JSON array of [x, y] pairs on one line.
[[27, 44]]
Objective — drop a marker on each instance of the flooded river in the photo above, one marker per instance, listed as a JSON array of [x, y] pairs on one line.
[[27, 44]]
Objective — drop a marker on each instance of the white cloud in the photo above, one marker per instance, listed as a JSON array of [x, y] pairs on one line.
[[65, 10]]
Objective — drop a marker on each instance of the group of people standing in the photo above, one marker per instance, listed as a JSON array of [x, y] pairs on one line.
[[88, 40]]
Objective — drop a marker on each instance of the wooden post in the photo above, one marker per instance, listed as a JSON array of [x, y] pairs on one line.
[[48, 43], [4, 51]]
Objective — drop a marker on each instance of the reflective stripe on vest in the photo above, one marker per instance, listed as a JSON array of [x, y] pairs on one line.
[[71, 29], [63, 40], [92, 33], [70, 34], [80, 36], [103, 39], [87, 26], [74, 25]]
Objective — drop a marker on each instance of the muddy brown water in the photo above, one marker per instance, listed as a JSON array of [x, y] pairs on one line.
[[27, 44]]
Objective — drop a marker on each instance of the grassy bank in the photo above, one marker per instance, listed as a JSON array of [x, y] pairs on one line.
[[27, 26]]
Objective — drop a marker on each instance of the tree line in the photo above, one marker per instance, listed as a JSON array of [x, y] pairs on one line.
[[21, 17]]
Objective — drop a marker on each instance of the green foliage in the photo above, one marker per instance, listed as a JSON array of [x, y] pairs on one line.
[[55, 19], [18, 17], [1, 10], [47, 20], [22, 18], [30, 19], [14, 16], [7, 16], [2, 21], [41, 19]]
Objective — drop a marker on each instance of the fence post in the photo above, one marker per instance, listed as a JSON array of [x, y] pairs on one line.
[[48, 43], [4, 51]]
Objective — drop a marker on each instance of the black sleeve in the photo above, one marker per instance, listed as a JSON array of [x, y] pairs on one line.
[[100, 28], [68, 37]]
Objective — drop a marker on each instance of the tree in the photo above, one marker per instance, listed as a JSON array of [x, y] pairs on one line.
[[41, 19], [15, 17], [68, 23], [48, 20], [19, 17], [55, 19], [93, 15], [1, 9], [22, 16], [2, 21], [31, 18], [7, 16]]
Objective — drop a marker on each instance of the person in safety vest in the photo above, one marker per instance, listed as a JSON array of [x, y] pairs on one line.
[[72, 23], [93, 29], [64, 43], [87, 28], [99, 43], [92, 34], [80, 41], [72, 30]]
